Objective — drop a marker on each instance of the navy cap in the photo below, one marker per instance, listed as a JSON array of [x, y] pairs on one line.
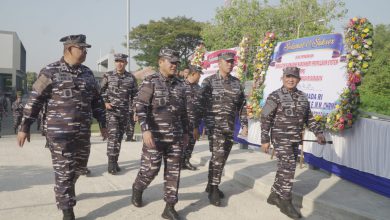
[[79, 39], [120, 57], [291, 71], [226, 56], [171, 55]]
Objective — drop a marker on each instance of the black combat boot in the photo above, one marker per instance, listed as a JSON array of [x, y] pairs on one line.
[[86, 172], [136, 198], [287, 208], [187, 165], [274, 199], [214, 197], [118, 169], [111, 165], [170, 212], [221, 194], [68, 214], [128, 138]]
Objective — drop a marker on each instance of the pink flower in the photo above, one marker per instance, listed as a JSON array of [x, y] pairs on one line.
[[341, 126], [352, 86], [349, 115], [341, 120]]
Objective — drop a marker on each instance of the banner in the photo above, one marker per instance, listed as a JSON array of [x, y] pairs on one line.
[[323, 72]]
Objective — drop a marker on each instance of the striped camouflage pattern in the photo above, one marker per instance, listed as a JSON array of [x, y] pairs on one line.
[[119, 90], [161, 109], [194, 111], [150, 166], [223, 99], [130, 125], [284, 115], [72, 96], [3, 109], [17, 112]]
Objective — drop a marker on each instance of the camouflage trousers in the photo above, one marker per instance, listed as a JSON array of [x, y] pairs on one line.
[[116, 126], [187, 151], [17, 121], [69, 158], [286, 154], [150, 166], [220, 146], [130, 126]]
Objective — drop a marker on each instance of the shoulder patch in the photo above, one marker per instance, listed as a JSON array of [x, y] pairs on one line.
[[269, 107], [42, 83]]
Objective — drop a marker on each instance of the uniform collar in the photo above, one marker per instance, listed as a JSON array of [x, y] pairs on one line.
[[284, 90], [65, 67]]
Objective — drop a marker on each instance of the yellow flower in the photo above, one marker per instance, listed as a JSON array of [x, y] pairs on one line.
[[366, 30], [338, 117], [327, 120], [350, 64], [363, 35], [337, 106], [354, 19], [365, 65], [356, 46]]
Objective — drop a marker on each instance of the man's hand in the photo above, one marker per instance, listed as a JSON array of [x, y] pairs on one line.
[[185, 139], [196, 133], [244, 131], [148, 139], [22, 136], [108, 106], [265, 147], [321, 139], [104, 133]]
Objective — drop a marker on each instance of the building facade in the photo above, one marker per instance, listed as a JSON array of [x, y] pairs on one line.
[[12, 63]]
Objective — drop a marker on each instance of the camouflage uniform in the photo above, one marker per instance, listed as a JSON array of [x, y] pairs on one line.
[[285, 114], [193, 97], [130, 127], [73, 97], [3, 109], [223, 99], [17, 112], [119, 90], [160, 107]]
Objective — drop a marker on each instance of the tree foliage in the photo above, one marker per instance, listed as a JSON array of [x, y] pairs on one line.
[[254, 18], [30, 78], [375, 89], [179, 33]]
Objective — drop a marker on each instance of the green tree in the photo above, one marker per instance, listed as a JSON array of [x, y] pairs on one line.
[[30, 77], [179, 33], [254, 18], [375, 88]]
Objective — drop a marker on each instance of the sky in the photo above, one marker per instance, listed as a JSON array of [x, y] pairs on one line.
[[41, 23]]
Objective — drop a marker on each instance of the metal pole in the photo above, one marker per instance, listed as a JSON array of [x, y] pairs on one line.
[[128, 35]]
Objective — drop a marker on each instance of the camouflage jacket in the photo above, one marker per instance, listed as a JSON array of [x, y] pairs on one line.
[[72, 96], [119, 90], [285, 114], [17, 108], [194, 107], [223, 99], [161, 107]]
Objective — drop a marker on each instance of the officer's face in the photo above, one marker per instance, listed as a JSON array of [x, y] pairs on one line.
[[194, 77], [226, 66], [120, 65], [290, 82], [166, 67], [185, 73], [78, 53]]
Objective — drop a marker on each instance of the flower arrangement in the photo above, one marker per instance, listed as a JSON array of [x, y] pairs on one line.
[[358, 38], [199, 53], [261, 63], [243, 55]]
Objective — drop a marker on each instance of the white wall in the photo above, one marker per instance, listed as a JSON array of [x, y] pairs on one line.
[[6, 50]]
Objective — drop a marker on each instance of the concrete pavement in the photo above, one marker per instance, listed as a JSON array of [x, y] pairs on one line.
[[26, 188]]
